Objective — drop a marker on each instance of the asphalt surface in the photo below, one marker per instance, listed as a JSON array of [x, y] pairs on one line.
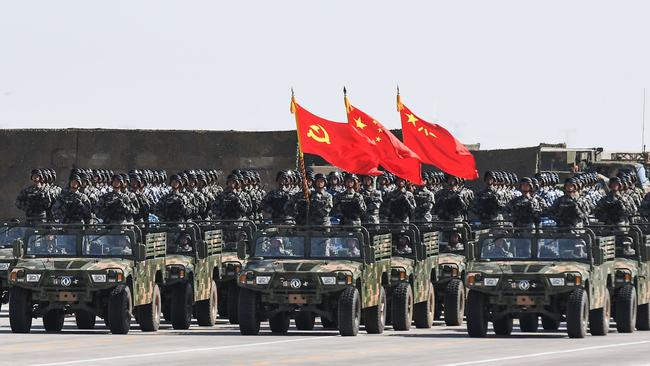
[[222, 344]]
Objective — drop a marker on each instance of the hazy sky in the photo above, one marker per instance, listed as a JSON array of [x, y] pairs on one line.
[[502, 73]]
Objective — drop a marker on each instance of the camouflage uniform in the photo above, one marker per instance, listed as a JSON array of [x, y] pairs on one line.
[[174, 206], [401, 205], [229, 205], [614, 209], [424, 202], [351, 207], [72, 206], [373, 200], [568, 211], [35, 202], [115, 207], [452, 205], [525, 211], [275, 203]]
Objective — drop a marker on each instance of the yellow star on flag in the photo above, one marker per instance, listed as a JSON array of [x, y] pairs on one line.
[[359, 124], [412, 118], [378, 139]]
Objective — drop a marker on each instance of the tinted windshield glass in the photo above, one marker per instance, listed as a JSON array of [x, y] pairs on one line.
[[180, 243], [231, 237], [335, 247], [107, 245], [506, 248], [280, 246], [52, 245], [625, 247], [8, 235], [451, 242], [559, 249]]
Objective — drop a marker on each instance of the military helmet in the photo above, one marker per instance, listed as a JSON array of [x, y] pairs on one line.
[[281, 175], [318, 176], [117, 177], [309, 174]]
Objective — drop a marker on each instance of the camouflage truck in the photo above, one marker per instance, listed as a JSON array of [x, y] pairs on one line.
[[112, 272], [337, 273], [630, 289], [556, 273], [414, 259], [192, 268], [237, 231], [9, 231]]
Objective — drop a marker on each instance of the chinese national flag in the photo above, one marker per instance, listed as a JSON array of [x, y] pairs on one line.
[[436, 146], [393, 155], [335, 142]]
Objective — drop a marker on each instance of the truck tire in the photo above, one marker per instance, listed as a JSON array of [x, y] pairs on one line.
[[503, 326], [166, 310], [477, 321], [53, 320], [85, 319], [120, 308], [402, 306], [626, 307], [550, 323], [528, 322], [328, 324], [599, 318], [577, 314], [375, 316], [206, 310], [454, 309], [349, 312], [233, 303], [305, 320], [643, 317], [149, 314], [181, 306], [20, 310], [250, 321], [279, 323], [423, 311]]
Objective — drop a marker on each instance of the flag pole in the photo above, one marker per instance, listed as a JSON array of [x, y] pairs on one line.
[[301, 158]]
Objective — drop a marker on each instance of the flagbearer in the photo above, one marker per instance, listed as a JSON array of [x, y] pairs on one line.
[[350, 204]]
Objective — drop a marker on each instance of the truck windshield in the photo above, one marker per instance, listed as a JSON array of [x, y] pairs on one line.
[[562, 249], [506, 248], [9, 234], [280, 246], [451, 242], [334, 247], [54, 245], [118, 245]]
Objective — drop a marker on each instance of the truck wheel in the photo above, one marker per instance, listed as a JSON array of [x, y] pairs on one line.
[[375, 316], [599, 318], [626, 309], [233, 298], [476, 314], [53, 320], [250, 322], [181, 306], [577, 314], [402, 307], [279, 323], [349, 312], [643, 317], [423, 311], [85, 319], [328, 324], [149, 314], [120, 308], [20, 310], [528, 322], [550, 323], [166, 309], [305, 320], [206, 310], [454, 302], [503, 326]]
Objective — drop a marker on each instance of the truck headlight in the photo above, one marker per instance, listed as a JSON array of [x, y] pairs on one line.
[[262, 280], [490, 281], [33, 277], [98, 277], [557, 281], [4, 266], [328, 280]]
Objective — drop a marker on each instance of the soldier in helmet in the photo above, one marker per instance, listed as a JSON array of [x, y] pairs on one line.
[[424, 201], [72, 205], [614, 208], [115, 207], [350, 205], [275, 202], [175, 205], [35, 200], [452, 202], [144, 202], [490, 202], [569, 210], [320, 202], [526, 210], [297, 205], [400, 203], [334, 186], [229, 204], [373, 199]]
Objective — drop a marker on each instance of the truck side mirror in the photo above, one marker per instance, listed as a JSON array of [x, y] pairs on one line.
[[17, 246], [241, 249], [141, 253], [202, 249]]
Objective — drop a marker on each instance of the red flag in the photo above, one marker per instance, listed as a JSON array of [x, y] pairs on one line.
[[435, 145], [335, 142], [393, 155]]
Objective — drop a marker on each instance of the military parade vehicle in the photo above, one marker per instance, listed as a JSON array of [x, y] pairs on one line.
[[630, 289], [411, 296], [111, 271], [192, 267], [338, 273], [560, 274], [9, 231]]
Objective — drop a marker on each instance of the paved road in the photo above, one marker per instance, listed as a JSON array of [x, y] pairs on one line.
[[222, 344]]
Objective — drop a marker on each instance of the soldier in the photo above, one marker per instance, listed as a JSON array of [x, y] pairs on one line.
[[452, 202], [350, 204], [197, 199], [424, 201], [275, 202], [72, 206], [115, 207], [175, 205], [144, 201], [372, 198], [490, 202], [35, 200], [400, 203], [614, 208], [403, 246], [334, 186], [568, 210], [321, 203], [229, 205], [526, 210]]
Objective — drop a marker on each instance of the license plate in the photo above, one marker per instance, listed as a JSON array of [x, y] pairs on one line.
[[297, 299]]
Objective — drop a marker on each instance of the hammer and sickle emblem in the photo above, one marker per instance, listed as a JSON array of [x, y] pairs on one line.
[[315, 133]]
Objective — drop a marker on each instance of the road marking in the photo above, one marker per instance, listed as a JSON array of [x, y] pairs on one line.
[[542, 354], [180, 351]]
